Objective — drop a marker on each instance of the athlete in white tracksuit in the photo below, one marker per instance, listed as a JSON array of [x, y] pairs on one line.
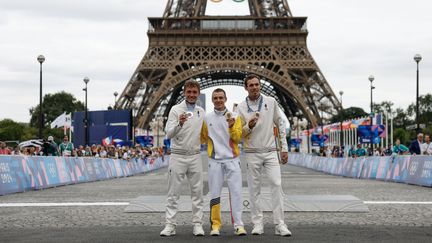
[[260, 115], [221, 132], [185, 162]]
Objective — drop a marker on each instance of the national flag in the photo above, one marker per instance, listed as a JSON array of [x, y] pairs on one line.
[[107, 141], [64, 120], [118, 141]]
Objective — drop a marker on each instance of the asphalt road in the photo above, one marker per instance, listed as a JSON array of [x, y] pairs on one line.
[[395, 213]]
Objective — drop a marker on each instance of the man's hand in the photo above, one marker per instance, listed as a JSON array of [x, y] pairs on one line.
[[182, 119], [252, 123], [231, 122], [284, 158]]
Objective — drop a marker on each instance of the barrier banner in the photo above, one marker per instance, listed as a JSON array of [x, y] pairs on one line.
[[399, 168], [420, 171], [407, 169], [357, 166], [375, 168], [346, 166], [384, 164], [12, 176], [23, 173]]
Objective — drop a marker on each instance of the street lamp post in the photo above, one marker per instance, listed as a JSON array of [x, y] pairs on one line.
[[86, 131], [115, 100], [40, 59], [322, 107], [341, 133], [417, 59], [371, 79]]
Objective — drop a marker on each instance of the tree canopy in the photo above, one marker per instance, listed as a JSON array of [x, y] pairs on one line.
[[54, 105], [348, 113]]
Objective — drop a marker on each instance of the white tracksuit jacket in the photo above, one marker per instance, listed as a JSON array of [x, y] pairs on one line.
[[185, 160], [223, 152], [260, 153]]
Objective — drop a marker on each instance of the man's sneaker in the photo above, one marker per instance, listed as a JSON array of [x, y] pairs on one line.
[[282, 230], [198, 230], [258, 229], [169, 230], [240, 230], [215, 232]]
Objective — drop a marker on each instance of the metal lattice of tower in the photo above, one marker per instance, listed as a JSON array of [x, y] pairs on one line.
[[222, 50]]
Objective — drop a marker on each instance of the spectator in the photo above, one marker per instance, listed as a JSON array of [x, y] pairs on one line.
[[370, 152], [427, 146], [66, 147], [360, 151], [388, 151], [352, 152], [399, 148], [342, 152], [53, 150], [80, 151], [16, 151], [103, 152], [48, 148], [111, 152], [3, 149], [416, 145], [378, 151]]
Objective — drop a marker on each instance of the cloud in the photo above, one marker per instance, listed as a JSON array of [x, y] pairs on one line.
[[105, 40], [95, 10]]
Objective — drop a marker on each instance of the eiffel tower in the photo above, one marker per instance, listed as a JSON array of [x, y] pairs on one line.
[[222, 50]]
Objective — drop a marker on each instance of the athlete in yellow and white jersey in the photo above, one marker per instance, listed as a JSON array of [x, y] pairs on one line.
[[221, 131]]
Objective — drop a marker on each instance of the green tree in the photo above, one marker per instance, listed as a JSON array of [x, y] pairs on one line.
[[403, 135], [53, 106], [383, 106], [11, 130], [425, 110], [349, 113]]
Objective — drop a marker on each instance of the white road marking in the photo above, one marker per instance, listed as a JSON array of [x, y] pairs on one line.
[[89, 204], [66, 204], [397, 202]]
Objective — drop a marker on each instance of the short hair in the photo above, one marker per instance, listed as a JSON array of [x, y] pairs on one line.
[[219, 90], [250, 77], [191, 83]]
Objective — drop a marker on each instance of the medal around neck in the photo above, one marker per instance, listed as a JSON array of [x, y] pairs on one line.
[[228, 115], [257, 114]]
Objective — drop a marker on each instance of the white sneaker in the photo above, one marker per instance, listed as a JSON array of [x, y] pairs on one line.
[[215, 232], [240, 231], [198, 230], [282, 230], [258, 229], [169, 230]]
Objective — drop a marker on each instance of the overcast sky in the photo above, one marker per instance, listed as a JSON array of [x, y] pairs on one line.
[[105, 40]]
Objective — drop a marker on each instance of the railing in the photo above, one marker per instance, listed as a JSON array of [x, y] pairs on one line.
[[416, 170], [212, 24], [24, 173]]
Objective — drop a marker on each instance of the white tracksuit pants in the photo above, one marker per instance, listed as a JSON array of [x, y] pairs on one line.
[[217, 170], [256, 163], [180, 167]]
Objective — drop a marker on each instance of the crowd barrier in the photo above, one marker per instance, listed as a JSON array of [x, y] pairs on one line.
[[408, 169], [24, 173]]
